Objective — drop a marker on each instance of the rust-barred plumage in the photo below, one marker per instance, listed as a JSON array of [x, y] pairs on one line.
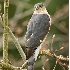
[[37, 29]]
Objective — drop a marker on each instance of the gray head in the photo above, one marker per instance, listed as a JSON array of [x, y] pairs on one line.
[[39, 6]]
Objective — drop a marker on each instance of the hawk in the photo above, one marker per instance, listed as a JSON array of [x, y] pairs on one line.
[[37, 29]]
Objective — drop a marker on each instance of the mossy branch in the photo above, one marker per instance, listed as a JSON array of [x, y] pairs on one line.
[[5, 34]]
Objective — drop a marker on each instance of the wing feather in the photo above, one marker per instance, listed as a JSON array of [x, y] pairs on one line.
[[37, 29]]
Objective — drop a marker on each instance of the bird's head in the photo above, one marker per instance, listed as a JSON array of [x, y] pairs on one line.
[[39, 7]]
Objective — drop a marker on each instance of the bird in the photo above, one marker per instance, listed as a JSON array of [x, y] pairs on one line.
[[37, 29]]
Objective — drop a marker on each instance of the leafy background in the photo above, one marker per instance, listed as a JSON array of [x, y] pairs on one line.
[[20, 12]]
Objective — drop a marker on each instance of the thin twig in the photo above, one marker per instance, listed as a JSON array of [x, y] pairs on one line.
[[17, 45]]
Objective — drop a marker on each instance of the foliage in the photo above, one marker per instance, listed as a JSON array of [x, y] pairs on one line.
[[20, 12]]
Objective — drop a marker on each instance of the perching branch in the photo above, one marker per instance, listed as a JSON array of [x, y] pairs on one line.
[[8, 66], [11, 67], [24, 64]]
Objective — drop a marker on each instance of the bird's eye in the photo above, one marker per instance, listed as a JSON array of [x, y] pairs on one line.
[[40, 5]]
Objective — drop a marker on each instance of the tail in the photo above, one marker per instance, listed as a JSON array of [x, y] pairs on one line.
[[30, 57], [33, 52], [31, 63]]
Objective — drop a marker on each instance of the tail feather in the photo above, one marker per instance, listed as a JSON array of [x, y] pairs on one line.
[[33, 52], [31, 67], [31, 63]]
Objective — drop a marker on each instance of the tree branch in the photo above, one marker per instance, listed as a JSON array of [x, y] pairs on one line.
[[5, 34]]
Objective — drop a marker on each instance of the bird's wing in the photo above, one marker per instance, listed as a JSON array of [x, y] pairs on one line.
[[37, 29], [40, 27], [29, 27]]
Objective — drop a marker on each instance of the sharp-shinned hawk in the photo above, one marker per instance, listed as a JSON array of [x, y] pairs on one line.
[[37, 29]]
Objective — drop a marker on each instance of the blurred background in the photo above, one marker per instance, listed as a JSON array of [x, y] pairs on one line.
[[20, 12]]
